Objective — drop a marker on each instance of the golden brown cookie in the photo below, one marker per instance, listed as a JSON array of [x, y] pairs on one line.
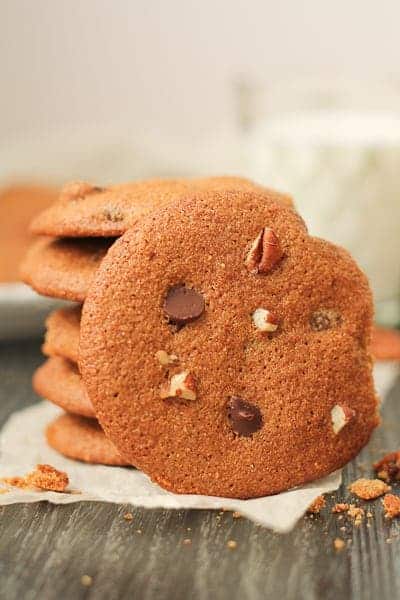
[[225, 350], [82, 439], [62, 333], [19, 203], [59, 381], [63, 268], [87, 210]]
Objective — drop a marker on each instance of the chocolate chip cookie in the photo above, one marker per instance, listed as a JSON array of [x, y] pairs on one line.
[[226, 351], [58, 380], [62, 333], [82, 439], [86, 210], [63, 268]]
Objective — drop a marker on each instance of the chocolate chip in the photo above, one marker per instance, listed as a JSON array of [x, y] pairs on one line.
[[324, 319], [183, 305], [245, 418]]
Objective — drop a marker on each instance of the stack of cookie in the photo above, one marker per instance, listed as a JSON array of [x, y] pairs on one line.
[[223, 350], [75, 234]]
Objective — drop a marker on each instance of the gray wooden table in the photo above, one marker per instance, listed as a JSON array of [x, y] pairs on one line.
[[45, 550]]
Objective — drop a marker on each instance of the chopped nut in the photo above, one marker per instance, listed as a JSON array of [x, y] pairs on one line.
[[128, 516], [324, 319], [164, 358], [182, 385], [315, 507], [264, 320], [341, 507], [236, 515], [78, 189], [231, 544], [339, 544], [86, 580], [265, 252], [388, 468], [341, 414], [369, 489], [391, 504], [187, 542]]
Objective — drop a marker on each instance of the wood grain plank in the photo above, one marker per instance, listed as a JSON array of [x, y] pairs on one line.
[[45, 549]]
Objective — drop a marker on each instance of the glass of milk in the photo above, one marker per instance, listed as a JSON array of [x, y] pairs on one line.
[[336, 148]]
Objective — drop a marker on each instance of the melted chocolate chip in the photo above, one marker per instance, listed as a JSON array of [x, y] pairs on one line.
[[183, 305], [245, 418], [324, 319]]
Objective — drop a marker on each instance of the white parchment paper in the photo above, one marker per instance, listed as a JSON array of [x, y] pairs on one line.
[[22, 446]]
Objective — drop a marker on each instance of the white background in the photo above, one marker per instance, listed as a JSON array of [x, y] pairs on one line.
[[169, 65]]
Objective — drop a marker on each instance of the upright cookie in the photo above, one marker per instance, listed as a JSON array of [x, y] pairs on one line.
[[62, 333], [87, 210], [63, 268], [59, 381], [82, 439], [225, 350]]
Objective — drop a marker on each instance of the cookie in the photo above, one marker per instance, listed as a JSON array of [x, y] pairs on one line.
[[225, 350], [19, 203], [82, 439], [62, 333], [386, 344], [59, 381], [63, 268], [88, 210]]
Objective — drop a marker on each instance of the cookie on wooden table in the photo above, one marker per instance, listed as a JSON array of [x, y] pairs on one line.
[[59, 381], [82, 439], [62, 333], [226, 352], [87, 210], [63, 268]]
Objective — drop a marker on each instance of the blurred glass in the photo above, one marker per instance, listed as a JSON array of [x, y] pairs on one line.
[[335, 146]]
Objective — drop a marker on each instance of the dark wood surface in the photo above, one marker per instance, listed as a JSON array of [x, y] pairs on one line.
[[45, 550]]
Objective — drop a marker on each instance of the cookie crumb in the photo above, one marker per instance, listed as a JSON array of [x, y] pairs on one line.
[[18, 482], [44, 477], [48, 478], [391, 505], [369, 489], [316, 505], [356, 513], [388, 468], [128, 516], [339, 544], [231, 544], [187, 542], [86, 580], [340, 507]]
